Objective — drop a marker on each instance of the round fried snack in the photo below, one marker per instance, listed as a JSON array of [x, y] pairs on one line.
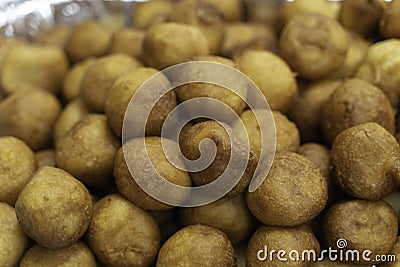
[[365, 225], [87, 151], [150, 13], [225, 145], [306, 111], [361, 16], [381, 68], [17, 165], [272, 75], [88, 39], [55, 36], [366, 160], [128, 41], [313, 45], [122, 234], [355, 102], [390, 22], [54, 208], [127, 185], [46, 157], [30, 116], [202, 15], [318, 154], [6, 44], [33, 65], [197, 246], [77, 254], [293, 193], [268, 239], [13, 240], [120, 95], [171, 43], [100, 77], [231, 10], [230, 215], [71, 87]]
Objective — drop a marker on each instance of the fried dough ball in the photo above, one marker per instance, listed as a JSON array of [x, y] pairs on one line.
[[54, 208], [230, 215], [366, 160], [284, 199], [128, 41], [30, 116], [127, 185], [6, 44], [34, 65], [272, 75], [306, 111], [151, 13], [71, 87], [13, 240], [205, 16], [122, 234], [197, 246], [100, 77], [46, 157], [355, 102], [231, 10], [172, 43], [240, 37], [70, 115], [390, 21], [361, 16], [365, 225], [87, 151], [54, 36], [381, 68], [225, 145], [120, 95], [318, 154], [77, 254], [17, 165], [313, 45], [299, 238], [88, 39]]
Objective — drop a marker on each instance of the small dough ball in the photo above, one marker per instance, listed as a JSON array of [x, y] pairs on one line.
[[394, 251], [30, 115], [171, 43], [299, 238], [17, 165], [42, 67], [365, 225], [127, 185], [306, 111], [225, 145], [205, 16], [77, 254], [46, 157], [230, 215], [88, 39], [55, 36], [284, 199], [54, 208], [100, 77], [313, 45], [6, 45], [87, 151], [272, 75], [13, 240], [366, 160], [355, 102], [361, 16], [318, 154], [120, 95], [197, 246], [240, 37], [128, 41], [122, 234], [231, 10], [70, 115], [382, 68], [390, 21], [71, 87], [150, 13]]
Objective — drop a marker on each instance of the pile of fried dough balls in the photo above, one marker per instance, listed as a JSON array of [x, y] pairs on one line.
[[330, 72]]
